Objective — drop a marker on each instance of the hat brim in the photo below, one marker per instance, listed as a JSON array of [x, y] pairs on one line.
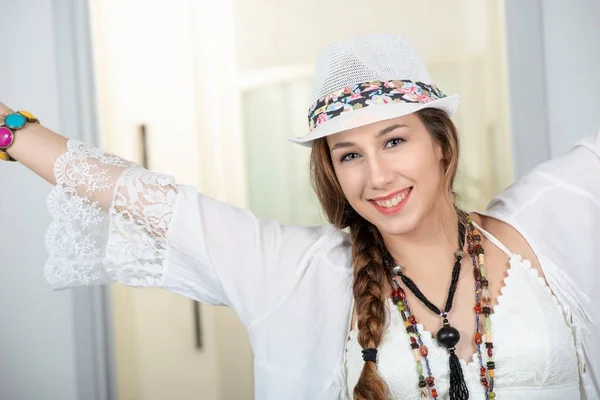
[[374, 113]]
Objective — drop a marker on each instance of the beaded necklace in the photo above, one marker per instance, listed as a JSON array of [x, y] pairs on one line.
[[449, 336]]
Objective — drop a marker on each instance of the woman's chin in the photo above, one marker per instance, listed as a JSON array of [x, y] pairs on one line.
[[397, 225]]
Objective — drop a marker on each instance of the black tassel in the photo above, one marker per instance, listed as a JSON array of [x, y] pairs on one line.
[[458, 387]]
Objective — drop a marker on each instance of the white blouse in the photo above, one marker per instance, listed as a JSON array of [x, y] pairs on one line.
[[291, 286], [534, 350]]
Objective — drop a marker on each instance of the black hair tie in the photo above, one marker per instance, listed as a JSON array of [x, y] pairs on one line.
[[370, 355]]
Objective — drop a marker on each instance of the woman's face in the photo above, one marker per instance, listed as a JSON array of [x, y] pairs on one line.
[[390, 172]]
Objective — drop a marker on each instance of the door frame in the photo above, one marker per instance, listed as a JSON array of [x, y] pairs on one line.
[[92, 327], [529, 116]]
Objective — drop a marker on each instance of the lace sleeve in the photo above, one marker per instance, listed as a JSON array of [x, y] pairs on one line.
[[110, 218]]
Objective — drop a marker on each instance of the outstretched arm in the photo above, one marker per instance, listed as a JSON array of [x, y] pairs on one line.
[[114, 221]]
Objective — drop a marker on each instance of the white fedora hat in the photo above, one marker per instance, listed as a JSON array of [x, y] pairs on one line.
[[367, 79]]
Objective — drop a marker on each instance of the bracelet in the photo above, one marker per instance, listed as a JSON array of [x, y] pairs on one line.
[[11, 122]]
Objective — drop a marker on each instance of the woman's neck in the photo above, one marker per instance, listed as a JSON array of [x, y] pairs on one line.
[[431, 246]]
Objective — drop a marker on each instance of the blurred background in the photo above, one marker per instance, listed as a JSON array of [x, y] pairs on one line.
[[209, 91]]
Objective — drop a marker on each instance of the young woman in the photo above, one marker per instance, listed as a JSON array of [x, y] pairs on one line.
[[416, 299]]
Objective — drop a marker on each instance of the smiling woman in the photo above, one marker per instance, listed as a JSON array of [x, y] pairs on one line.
[[419, 300], [381, 166]]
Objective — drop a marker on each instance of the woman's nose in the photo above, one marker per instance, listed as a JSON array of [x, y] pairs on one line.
[[381, 175]]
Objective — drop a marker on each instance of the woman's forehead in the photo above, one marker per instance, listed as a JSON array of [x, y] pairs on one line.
[[373, 130]]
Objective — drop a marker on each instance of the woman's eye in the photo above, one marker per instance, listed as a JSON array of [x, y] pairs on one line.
[[349, 157], [393, 142]]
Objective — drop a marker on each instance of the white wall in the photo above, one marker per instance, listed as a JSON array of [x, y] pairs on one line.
[[572, 53], [554, 58], [275, 33], [40, 332], [462, 43]]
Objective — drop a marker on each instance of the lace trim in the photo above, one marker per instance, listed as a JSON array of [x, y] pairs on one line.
[[523, 368], [110, 220]]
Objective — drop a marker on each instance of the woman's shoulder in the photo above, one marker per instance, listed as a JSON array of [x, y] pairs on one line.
[[335, 246], [536, 211], [558, 185], [509, 236]]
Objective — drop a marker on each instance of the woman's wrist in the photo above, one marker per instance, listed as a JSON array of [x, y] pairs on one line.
[[12, 122], [3, 109]]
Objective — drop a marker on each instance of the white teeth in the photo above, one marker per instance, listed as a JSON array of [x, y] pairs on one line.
[[393, 201]]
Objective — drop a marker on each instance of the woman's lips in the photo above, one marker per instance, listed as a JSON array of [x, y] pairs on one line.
[[403, 196]]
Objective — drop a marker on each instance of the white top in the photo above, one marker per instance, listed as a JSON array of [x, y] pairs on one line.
[[291, 286], [534, 350]]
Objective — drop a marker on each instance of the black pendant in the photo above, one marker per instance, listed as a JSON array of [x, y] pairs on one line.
[[448, 336]]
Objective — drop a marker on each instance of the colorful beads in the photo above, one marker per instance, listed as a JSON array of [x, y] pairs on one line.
[[401, 294], [483, 307], [417, 355], [6, 137], [15, 121], [9, 123], [30, 117], [460, 254], [419, 350], [486, 299]]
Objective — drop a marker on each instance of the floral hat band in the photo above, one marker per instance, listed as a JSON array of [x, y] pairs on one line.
[[370, 93]]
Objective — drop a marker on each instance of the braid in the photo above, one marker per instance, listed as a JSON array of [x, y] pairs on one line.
[[369, 277], [369, 272]]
